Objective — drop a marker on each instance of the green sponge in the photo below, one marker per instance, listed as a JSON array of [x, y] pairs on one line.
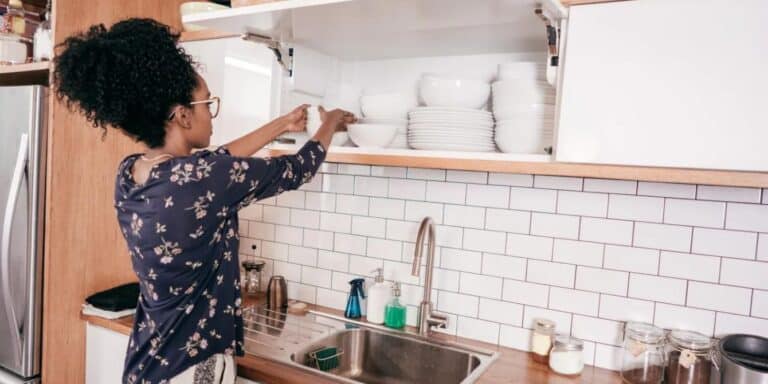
[[325, 359]]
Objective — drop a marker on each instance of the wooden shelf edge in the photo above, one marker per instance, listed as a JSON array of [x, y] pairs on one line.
[[205, 34], [619, 172], [25, 74]]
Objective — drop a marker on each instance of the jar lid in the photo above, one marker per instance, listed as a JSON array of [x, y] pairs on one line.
[[644, 332], [568, 343], [690, 340], [250, 265], [544, 324]]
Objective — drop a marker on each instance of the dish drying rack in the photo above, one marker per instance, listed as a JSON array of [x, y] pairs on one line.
[[274, 331]]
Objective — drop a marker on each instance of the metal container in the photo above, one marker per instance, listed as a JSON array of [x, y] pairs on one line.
[[741, 359], [277, 293]]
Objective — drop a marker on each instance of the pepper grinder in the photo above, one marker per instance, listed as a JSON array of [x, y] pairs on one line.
[[277, 293]]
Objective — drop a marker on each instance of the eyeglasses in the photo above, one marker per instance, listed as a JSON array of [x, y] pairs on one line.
[[214, 104]]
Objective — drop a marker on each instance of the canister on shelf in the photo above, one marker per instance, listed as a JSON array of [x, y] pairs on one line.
[[567, 355], [541, 339]]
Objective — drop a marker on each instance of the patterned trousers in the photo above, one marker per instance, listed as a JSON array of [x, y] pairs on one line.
[[218, 369]]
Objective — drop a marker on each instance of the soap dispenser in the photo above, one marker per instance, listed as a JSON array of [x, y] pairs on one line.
[[378, 297], [394, 314], [356, 294]]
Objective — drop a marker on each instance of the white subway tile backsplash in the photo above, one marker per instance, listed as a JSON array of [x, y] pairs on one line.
[[735, 194], [602, 280], [515, 337], [574, 301], [333, 260], [660, 289], [253, 212], [562, 226], [598, 330], [720, 242], [448, 236], [557, 274], [502, 266], [689, 266], [467, 177], [352, 205], [747, 217], [291, 272], [682, 191], [354, 169], [457, 304], [719, 298], [558, 182], [696, 213], [463, 216], [338, 183], [453, 193], [250, 247], [663, 236], [511, 179], [397, 271], [610, 186], [606, 231], [277, 215], [562, 319], [460, 260], [303, 256], [526, 293], [371, 186], [640, 208], [384, 249], [302, 292], [530, 199], [480, 285], [482, 330], [349, 244], [508, 220], [288, 235], [305, 219], [582, 203], [397, 172], [417, 211], [321, 201], [407, 189], [446, 280], [318, 239], [292, 199], [608, 357], [402, 230], [762, 247], [676, 317], [730, 324], [369, 226], [362, 266], [760, 304], [630, 259], [274, 251], [501, 312], [531, 247], [488, 196], [316, 277], [484, 241], [426, 174], [340, 281], [331, 299], [624, 309], [578, 252], [742, 273], [387, 208], [335, 222]]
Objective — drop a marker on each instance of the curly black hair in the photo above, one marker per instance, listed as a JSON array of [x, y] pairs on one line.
[[127, 77]]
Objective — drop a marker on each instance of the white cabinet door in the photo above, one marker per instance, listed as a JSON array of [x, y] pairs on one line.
[[104, 355], [677, 83]]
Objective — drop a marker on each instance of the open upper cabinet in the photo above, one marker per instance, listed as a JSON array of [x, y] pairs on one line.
[[333, 51]]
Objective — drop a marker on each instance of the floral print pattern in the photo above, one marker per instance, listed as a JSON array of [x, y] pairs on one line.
[[181, 230]]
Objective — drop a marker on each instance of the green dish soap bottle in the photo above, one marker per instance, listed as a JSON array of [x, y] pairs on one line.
[[394, 314]]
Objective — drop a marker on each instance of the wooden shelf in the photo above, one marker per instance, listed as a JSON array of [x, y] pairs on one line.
[[25, 74], [531, 164], [206, 34]]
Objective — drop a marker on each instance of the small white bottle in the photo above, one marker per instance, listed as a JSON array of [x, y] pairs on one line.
[[378, 296]]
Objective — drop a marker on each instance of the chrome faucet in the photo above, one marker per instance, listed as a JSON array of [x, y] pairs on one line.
[[427, 318]]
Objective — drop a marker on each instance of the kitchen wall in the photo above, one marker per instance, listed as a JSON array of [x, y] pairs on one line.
[[586, 253]]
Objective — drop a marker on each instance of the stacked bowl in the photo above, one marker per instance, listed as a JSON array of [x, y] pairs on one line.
[[383, 113], [523, 106], [453, 118]]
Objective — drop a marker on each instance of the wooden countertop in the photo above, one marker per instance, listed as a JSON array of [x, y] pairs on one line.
[[512, 366]]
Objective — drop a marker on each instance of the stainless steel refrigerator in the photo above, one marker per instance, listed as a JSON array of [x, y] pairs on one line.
[[22, 212]]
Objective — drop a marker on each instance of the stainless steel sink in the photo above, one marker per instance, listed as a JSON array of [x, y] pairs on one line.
[[374, 356]]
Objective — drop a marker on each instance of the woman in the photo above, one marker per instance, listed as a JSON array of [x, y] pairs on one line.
[[177, 208]]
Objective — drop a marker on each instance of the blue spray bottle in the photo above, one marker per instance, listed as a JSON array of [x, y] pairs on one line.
[[356, 294]]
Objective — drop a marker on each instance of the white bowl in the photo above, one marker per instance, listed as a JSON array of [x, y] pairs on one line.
[[523, 111], [523, 141], [524, 125], [193, 7], [372, 135], [453, 92], [394, 105], [522, 70], [520, 92], [12, 50]]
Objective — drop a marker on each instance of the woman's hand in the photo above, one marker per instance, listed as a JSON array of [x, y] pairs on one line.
[[296, 120], [339, 118]]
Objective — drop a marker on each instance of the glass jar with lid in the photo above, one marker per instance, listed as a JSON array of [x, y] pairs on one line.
[[567, 355], [689, 359], [541, 339], [252, 278], [643, 354]]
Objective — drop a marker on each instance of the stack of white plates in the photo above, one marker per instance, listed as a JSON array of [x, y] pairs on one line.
[[451, 129], [523, 105], [401, 137]]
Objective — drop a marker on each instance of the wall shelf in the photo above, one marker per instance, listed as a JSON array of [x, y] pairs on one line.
[[530, 164], [25, 74], [205, 34]]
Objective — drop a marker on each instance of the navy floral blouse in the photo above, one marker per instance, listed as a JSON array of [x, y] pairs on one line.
[[182, 235]]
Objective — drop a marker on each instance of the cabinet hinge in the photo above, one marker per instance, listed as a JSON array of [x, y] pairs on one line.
[[553, 35], [283, 55]]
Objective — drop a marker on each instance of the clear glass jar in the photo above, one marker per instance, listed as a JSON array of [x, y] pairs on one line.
[[689, 360], [252, 279], [643, 354], [567, 355], [541, 339]]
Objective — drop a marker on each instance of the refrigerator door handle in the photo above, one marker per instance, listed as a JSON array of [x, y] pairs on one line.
[[5, 242]]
